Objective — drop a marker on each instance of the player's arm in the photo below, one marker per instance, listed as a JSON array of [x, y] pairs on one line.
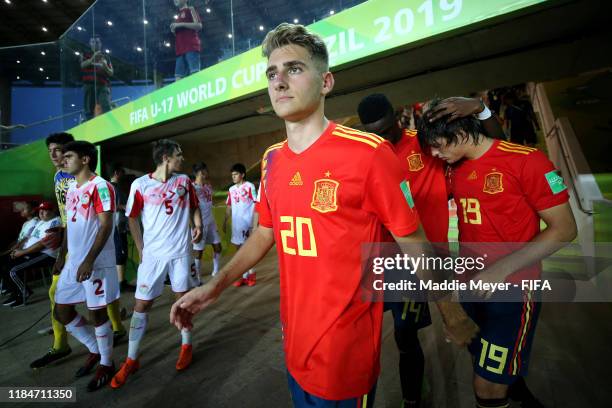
[[458, 325], [253, 250], [560, 230], [134, 225], [105, 227], [196, 219], [459, 107], [228, 215], [61, 257]]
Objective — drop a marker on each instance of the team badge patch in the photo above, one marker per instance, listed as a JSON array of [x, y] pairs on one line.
[[181, 191], [493, 183], [144, 289], [85, 199], [415, 163], [324, 197], [555, 182], [407, 193]]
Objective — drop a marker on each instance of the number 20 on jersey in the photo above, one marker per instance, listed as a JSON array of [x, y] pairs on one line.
[[297, 228]]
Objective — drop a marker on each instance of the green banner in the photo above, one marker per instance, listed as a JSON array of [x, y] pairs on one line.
[[362, 31]]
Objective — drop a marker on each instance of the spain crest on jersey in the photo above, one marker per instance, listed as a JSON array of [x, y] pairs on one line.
[[324, 197], [493, 183], [415, 163]]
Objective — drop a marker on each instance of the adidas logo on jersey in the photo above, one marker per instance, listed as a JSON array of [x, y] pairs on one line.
[[472, 175], [296, 180]]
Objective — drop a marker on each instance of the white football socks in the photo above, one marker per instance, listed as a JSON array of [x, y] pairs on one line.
[[104, 338], [83, 333], [138, 326], [185, 336], [216, 258]]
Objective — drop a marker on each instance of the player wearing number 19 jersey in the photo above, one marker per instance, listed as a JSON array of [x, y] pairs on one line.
[[502, 191], [165, 202]]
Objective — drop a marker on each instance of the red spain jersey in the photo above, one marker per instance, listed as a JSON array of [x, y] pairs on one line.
[[499, 195], [428, 185], [323, 204]]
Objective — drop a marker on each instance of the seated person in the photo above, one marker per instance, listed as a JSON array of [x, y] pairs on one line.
[[39, 250]]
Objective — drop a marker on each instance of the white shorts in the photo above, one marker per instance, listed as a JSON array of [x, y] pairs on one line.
[[241, 229], [152, 273], [210, 236], [101, 289]]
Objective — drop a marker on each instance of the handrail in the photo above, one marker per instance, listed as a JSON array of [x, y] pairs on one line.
[[570, 168], [65, 115]]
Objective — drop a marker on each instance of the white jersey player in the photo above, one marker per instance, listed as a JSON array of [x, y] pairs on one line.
[[89, 273], [240, 205], [166, 204], [210, 235]]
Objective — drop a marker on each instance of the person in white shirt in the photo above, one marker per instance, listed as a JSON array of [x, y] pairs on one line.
[[240, 205], [166, 203], [210, 235], [39, 244], [88, 275]]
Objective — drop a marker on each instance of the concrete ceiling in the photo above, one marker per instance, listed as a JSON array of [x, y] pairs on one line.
[[555, 40]]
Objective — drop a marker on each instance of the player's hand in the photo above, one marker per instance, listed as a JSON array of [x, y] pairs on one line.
[[196, 233], [495, 273], [456, 107], [183, 310], [458, 326], [84, 271], [16, 254]]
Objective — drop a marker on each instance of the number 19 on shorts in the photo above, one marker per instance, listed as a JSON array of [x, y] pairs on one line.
[[297, 236]]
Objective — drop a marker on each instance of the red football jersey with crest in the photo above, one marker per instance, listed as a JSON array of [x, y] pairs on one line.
[[323, 204], [428, 185], [499, 195]]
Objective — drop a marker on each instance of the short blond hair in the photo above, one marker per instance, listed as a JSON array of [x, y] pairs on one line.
[[288, 34]]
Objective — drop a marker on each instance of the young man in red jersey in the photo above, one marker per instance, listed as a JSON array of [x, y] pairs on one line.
[[426, 177], [325, 191], [503, 191]]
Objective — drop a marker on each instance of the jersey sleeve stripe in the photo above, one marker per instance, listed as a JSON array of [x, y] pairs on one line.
[[350, 131], [517, 146], [274, 147], [512, 150], [358, 139]]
